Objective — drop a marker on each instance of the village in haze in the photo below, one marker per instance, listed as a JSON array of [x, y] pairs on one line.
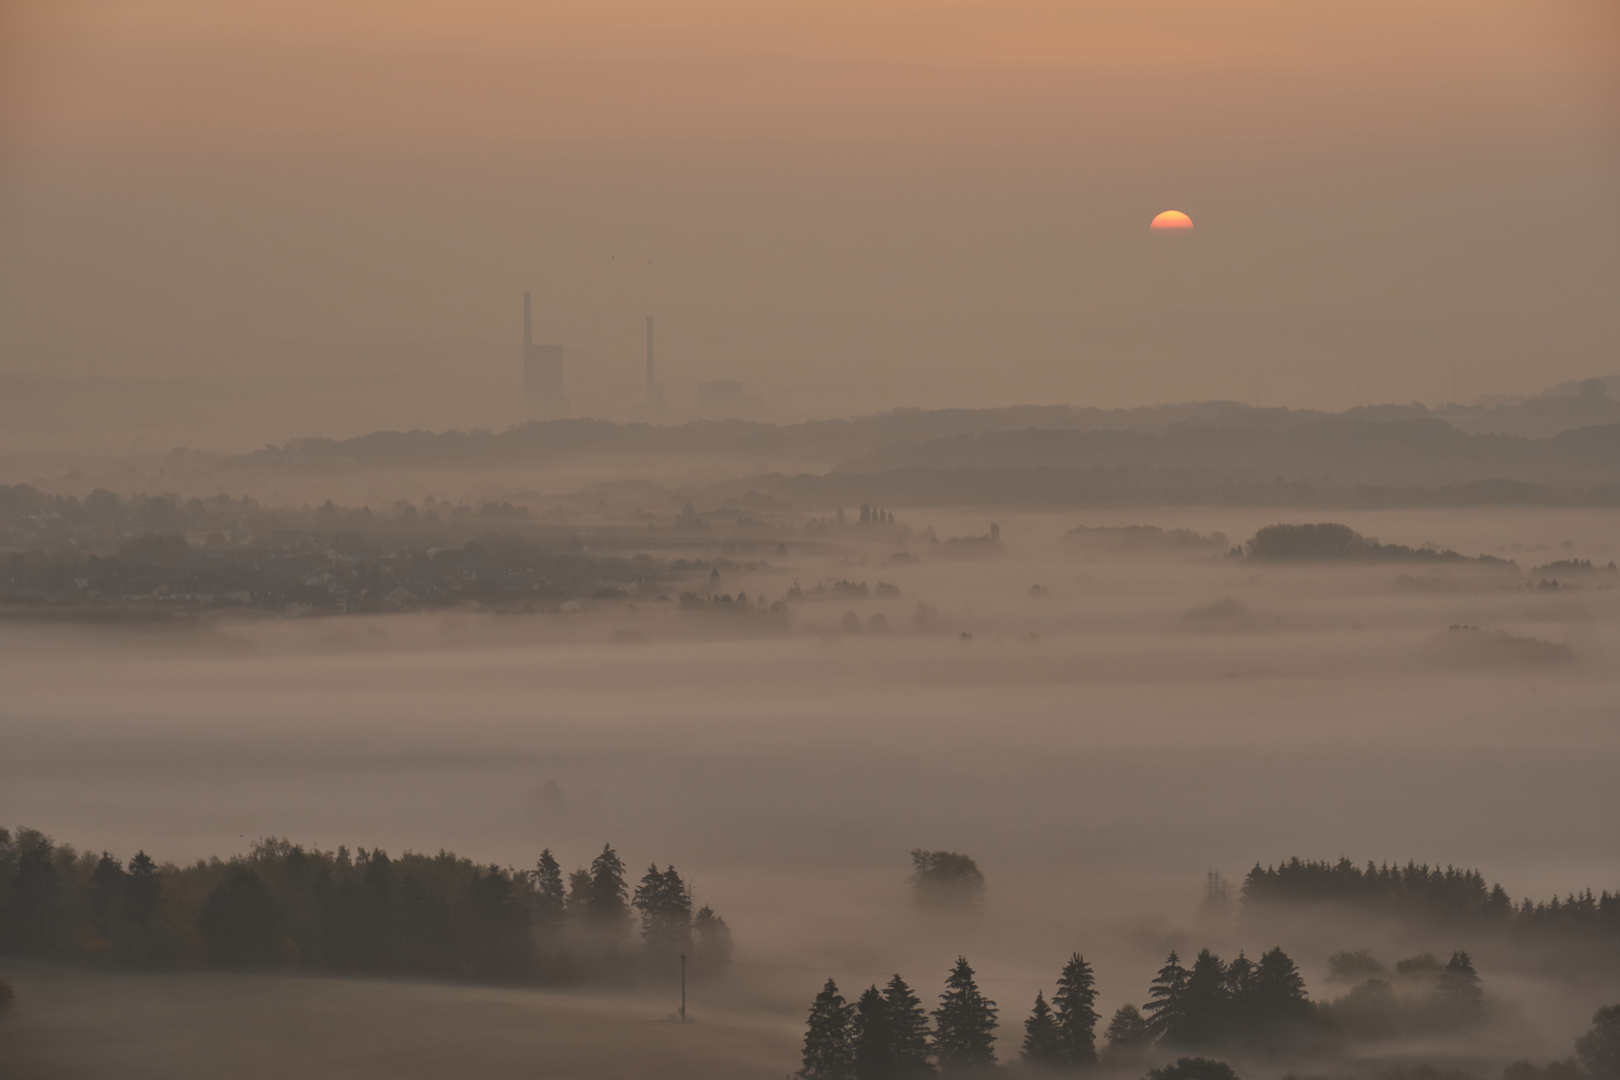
[[858, 540]]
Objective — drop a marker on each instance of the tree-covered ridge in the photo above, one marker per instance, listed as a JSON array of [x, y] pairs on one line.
[[1331, 540], [1449, 895], [282, 906]]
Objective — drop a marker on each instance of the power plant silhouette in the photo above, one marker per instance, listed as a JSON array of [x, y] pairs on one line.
[[543, 389], [655, 390]]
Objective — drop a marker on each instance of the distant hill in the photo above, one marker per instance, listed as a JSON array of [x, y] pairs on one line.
[[1205, 452], [1402, 453], [1587, 403], [827, 440]]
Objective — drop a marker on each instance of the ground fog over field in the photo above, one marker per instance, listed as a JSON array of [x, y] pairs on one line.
[[1099, 728]]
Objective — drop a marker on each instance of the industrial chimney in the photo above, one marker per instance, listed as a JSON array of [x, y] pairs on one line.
[[655, 390], [543, 390]]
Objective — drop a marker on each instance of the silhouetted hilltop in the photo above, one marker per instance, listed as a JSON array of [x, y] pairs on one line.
[[1331, 540], [1403, 452], [1570, 405], [553, 440], [1214, 453]]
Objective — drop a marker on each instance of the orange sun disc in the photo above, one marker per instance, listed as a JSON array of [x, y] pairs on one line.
[[1171, 221]]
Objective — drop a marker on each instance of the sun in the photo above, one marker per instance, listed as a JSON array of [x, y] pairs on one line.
[[1172, 221]]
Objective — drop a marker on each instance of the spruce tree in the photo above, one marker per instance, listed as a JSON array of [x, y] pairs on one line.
[[1278, 998], [240, 921], [1203, 1018], [910, 1030], [1167, 997], [1076, 1001], [666, 912], [579, 895], [711, 946], [607, 904], [873, 1035], [1279, 989], [1459, 989], [964, 1023], [549, 892], [107, 886], [827, 1051], [1043, 1042], [1240, 976], [144, 888], [1128, 1029]]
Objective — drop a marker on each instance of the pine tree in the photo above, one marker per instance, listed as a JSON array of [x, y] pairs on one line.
[[1043, 1042], [607, 905], [240, 921], [711, 946], [1459, 989], [1204, 1004], [549, 891], [107, 883], [1167, 996], [1278, 1000], [873, 1034], [1128, 1029], [144, 889], [666, 912], [1279, 989], [579, 895], [1076, 1001], [964, 1023], [1240, 975], [827, 1049], [910, 1030]]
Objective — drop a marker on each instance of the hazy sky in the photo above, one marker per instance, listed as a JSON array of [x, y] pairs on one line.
[[846, 205]]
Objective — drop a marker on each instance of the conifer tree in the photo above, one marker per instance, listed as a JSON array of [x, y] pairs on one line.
[[107, 885], [1277, 1000], [550, 894], [910, 1024], [873, 1034], [1167, 997], [666, 912], [579, 895], [1240, 976], [1204, 1013], [1459, 989], [1279, 989], [240, 921], [711, 946], [144, 888], [1043, 1042], [1128, 1029], [1076, 1001], [964, 1023], [827, 1051], [607, 905]]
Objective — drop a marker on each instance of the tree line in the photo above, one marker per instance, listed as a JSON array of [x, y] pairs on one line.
[[284, 906], [1245, 1006], [1449, 896]]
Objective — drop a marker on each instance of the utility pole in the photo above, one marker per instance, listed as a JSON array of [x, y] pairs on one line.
[[683, 988]]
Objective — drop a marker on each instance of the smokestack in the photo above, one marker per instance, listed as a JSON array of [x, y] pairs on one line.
[[649, 358], [528, 327]]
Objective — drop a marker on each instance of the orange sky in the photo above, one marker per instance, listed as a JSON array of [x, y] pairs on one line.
[[803, 181], [302, 74]]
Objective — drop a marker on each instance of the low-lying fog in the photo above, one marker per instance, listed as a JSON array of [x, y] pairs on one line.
[[1097, 744]]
